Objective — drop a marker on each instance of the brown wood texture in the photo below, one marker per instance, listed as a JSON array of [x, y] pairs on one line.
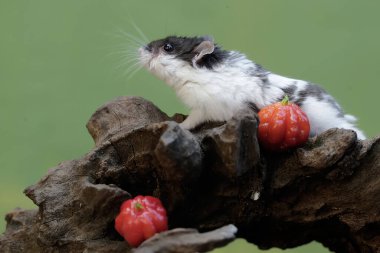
[[215, 175]]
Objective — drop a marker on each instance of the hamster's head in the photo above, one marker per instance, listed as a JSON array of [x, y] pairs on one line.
[[175, 58]]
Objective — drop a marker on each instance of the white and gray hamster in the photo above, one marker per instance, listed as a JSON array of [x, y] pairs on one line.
[[216, 83]]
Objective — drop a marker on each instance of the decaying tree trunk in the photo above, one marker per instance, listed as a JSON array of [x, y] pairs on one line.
[[328, 190]]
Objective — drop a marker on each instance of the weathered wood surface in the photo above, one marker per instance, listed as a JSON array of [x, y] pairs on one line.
[[328, 190]]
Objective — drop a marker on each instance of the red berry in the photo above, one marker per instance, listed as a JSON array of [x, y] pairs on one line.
[[283, 125], [140, 218]]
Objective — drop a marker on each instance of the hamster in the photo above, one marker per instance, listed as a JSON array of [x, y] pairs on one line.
[[215, 84]]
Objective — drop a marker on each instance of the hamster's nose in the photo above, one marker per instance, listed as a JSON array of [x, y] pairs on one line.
[[148, 48], [142, 50], [145, 49]]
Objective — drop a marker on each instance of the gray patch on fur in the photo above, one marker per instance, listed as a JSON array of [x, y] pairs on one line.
[[311, 90], [253, 107], [257, 71], [233, 57], [334, 104], [290, 91]]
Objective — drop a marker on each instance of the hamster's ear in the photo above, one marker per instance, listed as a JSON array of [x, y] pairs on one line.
[[204, 48]]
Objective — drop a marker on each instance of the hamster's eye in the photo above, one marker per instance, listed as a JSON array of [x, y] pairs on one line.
[[168, 47]]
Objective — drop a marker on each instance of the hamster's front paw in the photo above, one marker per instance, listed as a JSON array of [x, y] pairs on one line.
[[186, 125], [194, 119]]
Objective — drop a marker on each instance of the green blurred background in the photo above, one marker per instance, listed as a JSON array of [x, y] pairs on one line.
[[61, 60]]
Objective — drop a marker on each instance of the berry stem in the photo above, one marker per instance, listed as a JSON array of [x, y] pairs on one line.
[[139, 206], [285, 100]]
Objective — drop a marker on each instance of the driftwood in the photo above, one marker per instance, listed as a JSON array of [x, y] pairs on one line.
[[328, 190]]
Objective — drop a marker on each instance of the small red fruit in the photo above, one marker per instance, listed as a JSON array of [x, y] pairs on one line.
[[140, 218], [283, 125]]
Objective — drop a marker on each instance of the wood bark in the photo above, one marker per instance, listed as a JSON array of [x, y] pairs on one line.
[[328, 190]]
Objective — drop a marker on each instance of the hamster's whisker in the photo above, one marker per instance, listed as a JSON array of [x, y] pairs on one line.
[[132, 66], [132, 73], [132, 38], [128, 61], [120, 33], [144, 37], [131, 43], [124, 53], [121, 53], [124, 46], [124, 63], [132, 69], [127, 54], [131, 50]]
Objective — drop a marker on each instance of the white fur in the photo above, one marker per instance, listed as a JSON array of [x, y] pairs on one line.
[[218, 94]]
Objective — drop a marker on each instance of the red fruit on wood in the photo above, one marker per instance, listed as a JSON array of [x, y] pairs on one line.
[[140, 218], [283, 125]]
